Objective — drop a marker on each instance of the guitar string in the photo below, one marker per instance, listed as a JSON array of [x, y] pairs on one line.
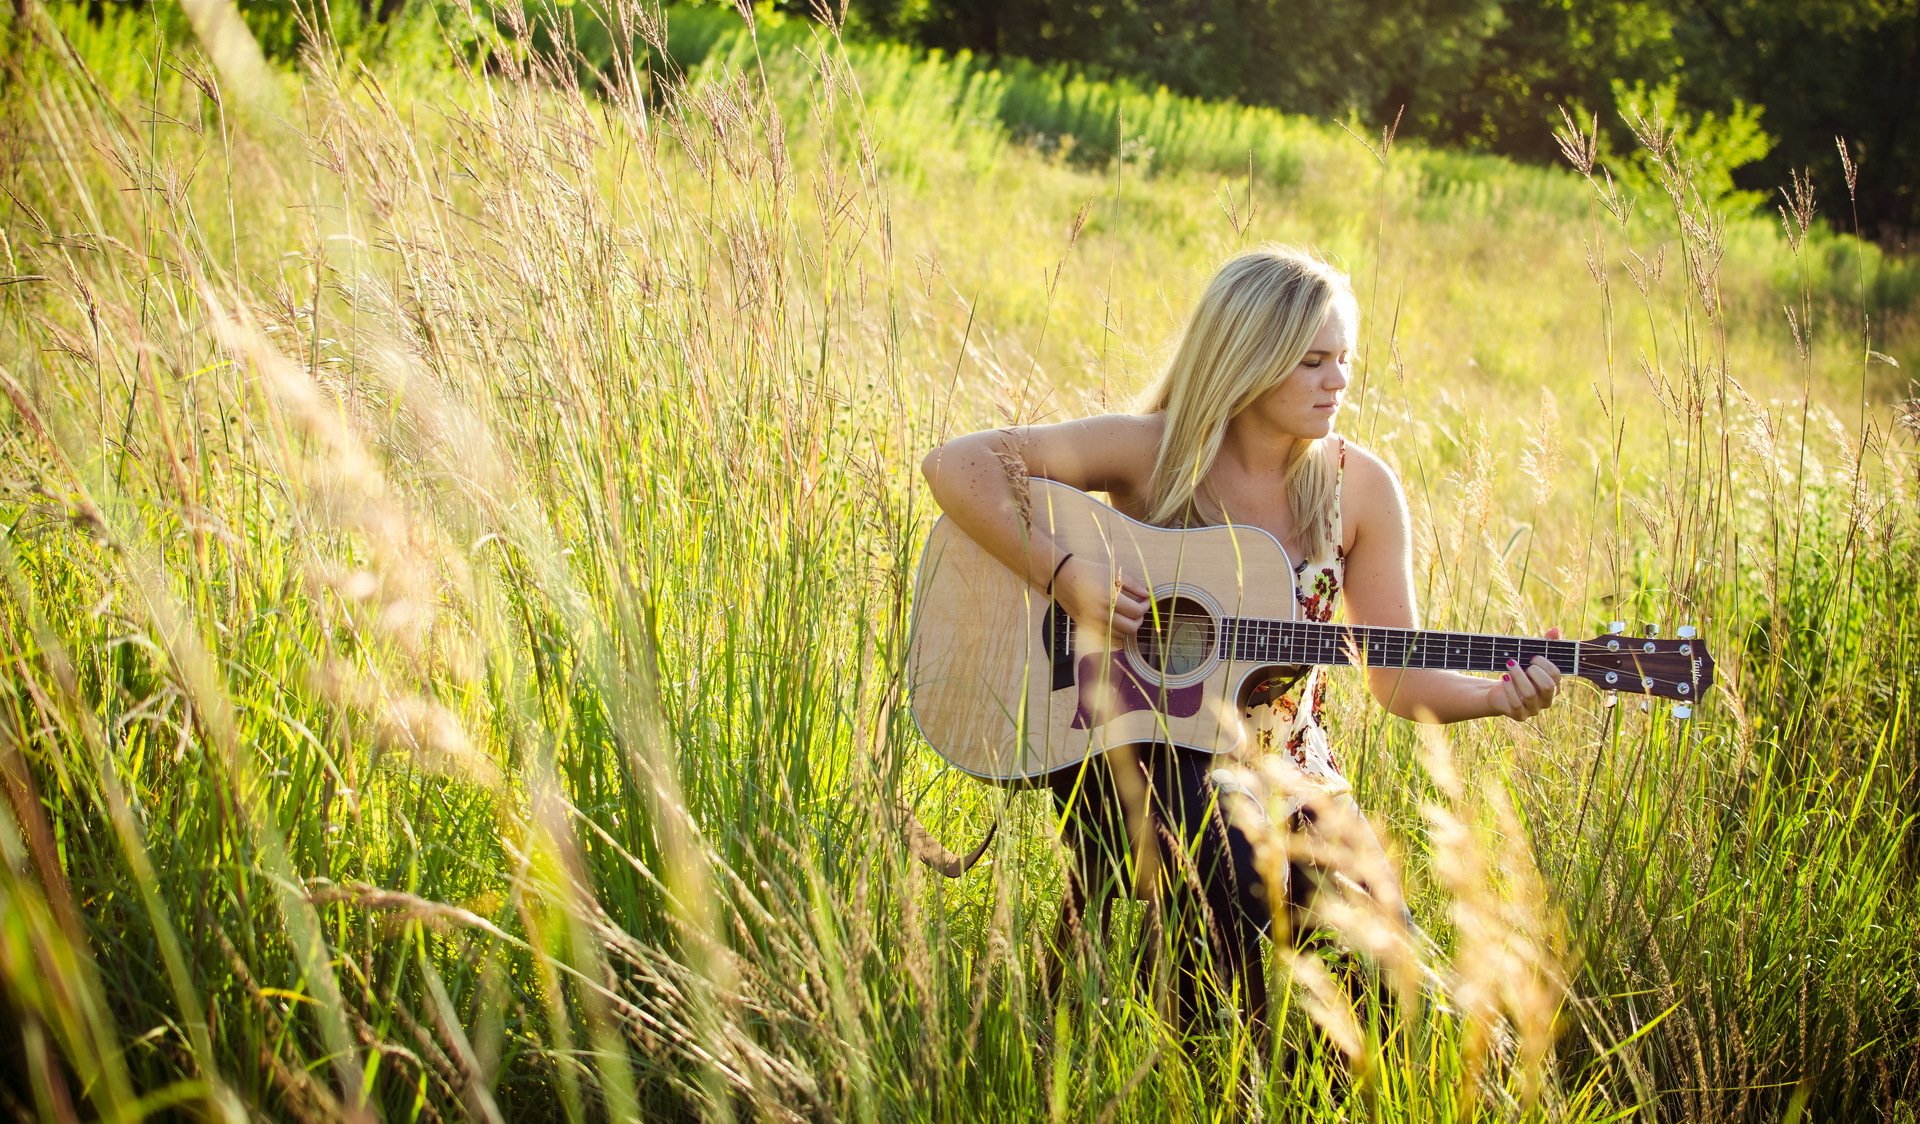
[[1311, 634], [1388, 646], [1303, 638]]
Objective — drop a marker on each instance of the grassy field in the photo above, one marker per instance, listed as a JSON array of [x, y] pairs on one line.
[[457, 532]]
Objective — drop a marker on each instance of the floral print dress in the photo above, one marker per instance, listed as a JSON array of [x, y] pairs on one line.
[[1284, 711]]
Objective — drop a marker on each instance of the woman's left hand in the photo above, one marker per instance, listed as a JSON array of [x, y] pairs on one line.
[[1523, 692]]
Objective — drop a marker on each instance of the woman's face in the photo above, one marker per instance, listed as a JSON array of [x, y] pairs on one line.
[[1303, 405]]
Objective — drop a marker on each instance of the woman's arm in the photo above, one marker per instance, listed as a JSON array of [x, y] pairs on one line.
[[980, 480], [1379, 591]]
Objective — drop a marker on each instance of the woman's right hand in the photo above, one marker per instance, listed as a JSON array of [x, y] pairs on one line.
[[1104, 600]]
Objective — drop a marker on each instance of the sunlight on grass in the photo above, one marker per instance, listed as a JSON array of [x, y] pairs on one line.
[[459, 529]]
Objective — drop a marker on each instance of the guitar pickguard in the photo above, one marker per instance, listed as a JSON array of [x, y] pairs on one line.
[[1108, 691]]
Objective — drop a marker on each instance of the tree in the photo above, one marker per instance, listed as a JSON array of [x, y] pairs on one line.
[[1493, 74]]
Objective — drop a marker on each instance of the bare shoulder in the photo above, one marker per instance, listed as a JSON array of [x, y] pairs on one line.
[[1365, 470], [1111, 453], [1105, 453], [1370, 492], [1132, 431]]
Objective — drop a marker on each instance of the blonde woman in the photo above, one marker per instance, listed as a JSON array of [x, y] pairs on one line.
[[1240, 428]]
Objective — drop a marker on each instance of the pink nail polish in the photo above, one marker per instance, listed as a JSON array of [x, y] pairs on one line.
[[1506, 679], [1513, 663]]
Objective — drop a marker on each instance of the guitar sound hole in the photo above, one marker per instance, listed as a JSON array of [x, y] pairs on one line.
[[1177, 637]]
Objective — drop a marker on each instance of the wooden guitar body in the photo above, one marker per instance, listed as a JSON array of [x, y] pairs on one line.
[[1008, 688]]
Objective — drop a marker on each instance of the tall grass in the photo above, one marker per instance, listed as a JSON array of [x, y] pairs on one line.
[[458, 543]]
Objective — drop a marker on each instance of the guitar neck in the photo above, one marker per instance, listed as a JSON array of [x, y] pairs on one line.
[[1296, 642]]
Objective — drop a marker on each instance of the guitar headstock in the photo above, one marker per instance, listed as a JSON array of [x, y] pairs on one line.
[[1679, 669]]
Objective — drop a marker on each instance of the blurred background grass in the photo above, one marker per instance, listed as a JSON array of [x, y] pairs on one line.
[[459, 534]]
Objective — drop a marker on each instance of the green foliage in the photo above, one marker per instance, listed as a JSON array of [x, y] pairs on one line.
[[1485, 74], [410, 34], [457, 541], [1705, 152], [1493, 73]]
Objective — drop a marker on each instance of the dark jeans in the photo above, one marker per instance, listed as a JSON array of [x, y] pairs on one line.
[[1146, 820]]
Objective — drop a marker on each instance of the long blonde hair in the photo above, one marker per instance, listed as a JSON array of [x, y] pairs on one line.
[[1252, 327]]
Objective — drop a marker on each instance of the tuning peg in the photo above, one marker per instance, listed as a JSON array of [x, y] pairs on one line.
[[1617, 627], [1610, 699], [1653, 630], [1687, 632], [1682, 712]]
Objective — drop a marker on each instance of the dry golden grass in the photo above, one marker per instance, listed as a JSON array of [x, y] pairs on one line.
[[458, 530]]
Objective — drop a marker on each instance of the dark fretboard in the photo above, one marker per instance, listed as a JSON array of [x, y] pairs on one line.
[[1310, 642]]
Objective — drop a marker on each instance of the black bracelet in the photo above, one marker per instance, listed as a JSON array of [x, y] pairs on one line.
[[1057, 567]]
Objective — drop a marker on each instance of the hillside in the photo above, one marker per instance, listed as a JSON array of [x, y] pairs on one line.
[[459, 534]]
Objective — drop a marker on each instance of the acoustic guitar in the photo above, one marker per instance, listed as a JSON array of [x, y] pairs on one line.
[[1008, 688]]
